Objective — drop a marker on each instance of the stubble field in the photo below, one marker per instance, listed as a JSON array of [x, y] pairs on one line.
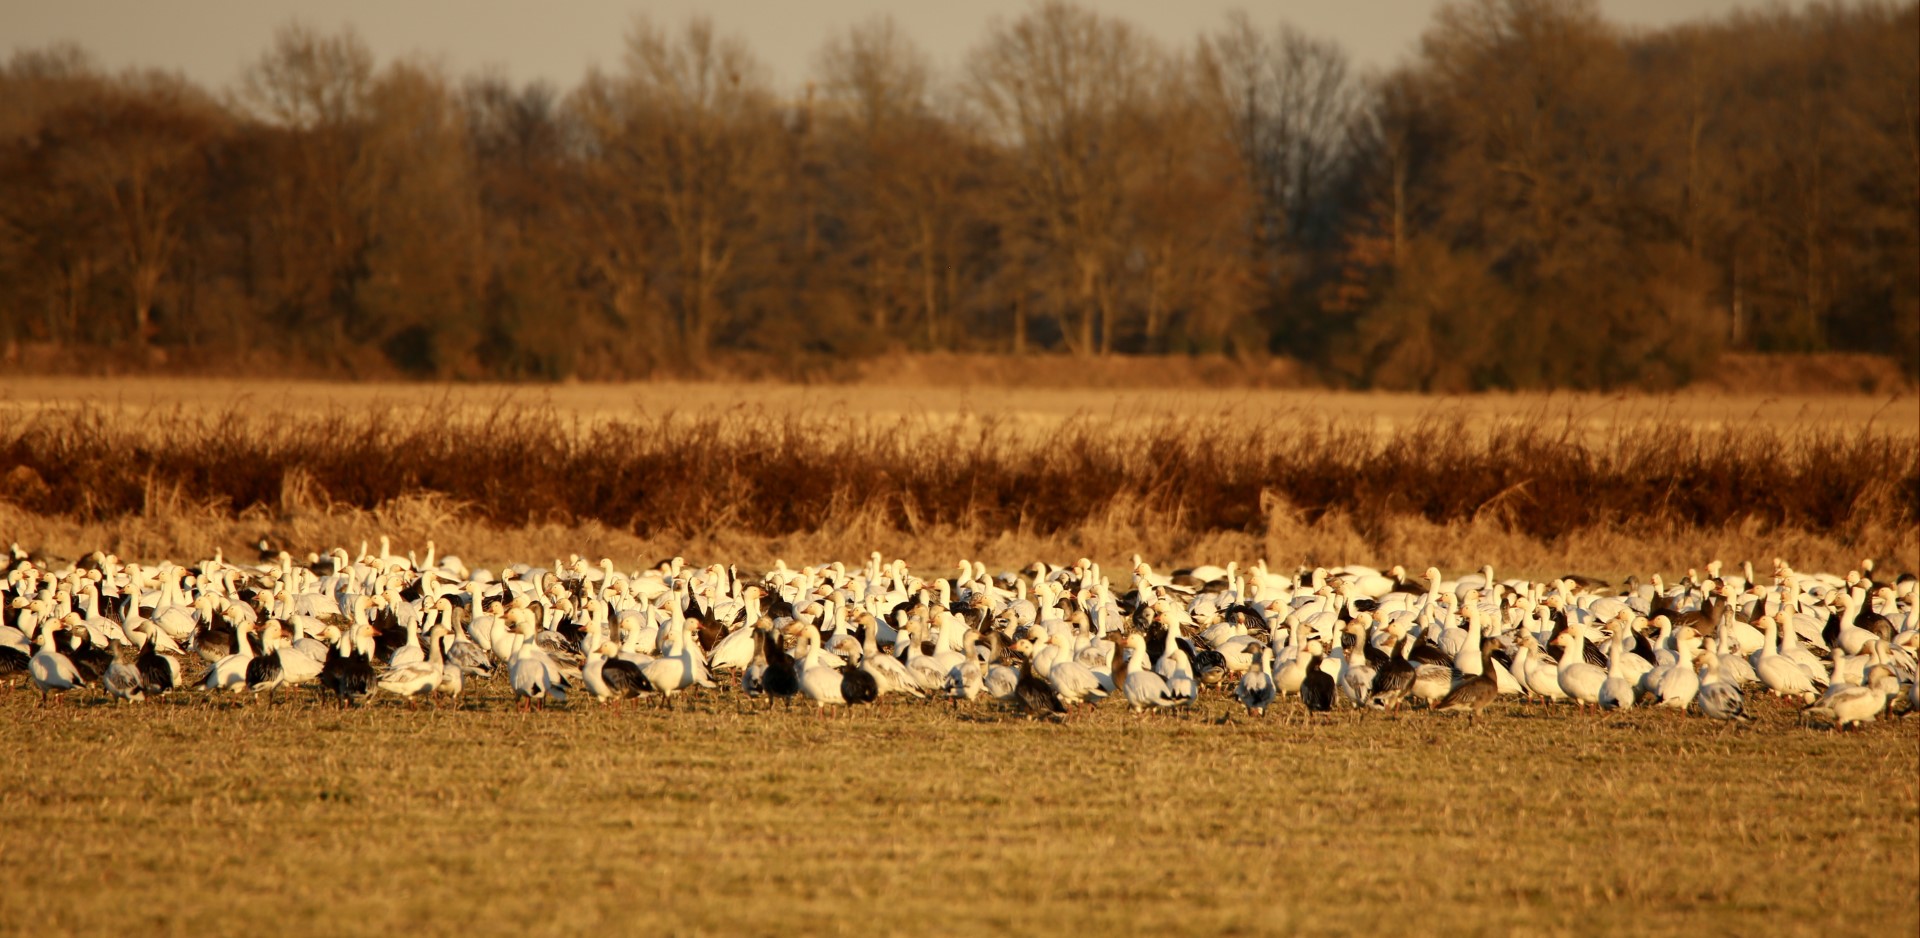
[[188, 817]]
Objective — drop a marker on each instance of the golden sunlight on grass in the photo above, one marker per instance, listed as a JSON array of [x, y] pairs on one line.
[[717, 818]]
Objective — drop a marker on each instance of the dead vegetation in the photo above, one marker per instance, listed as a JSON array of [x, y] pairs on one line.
[[751, 481]]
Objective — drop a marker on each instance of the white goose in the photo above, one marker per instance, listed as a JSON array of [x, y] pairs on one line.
[[1617, 691], [534, 678], [889, 675], [230, 672], [1144, 688], [420, 677], [1679, 683], [1072, 681], [819, 682], [1782, 677], [1580, 680], [676, 669], [51, 671]]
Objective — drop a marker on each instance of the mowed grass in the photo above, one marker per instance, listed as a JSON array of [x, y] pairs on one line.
[[720, 817]]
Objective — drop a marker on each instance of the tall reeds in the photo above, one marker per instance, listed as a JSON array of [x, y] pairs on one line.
[[763, 474]]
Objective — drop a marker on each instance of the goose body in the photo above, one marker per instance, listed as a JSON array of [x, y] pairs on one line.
[[534, 678], [1257, 689], [1144, 688], [1717, 698], [50, 670], [1317, 689]]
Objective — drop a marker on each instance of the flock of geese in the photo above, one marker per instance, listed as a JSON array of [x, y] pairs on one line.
[[1049, 641]]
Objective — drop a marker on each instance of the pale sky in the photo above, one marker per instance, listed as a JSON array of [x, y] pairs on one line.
[[557, 40]]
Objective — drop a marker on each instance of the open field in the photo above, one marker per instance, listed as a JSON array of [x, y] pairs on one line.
[[1039, 405], [190, 817]]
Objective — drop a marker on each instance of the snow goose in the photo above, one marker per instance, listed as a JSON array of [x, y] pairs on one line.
[[1580, 680], [1617, 692], [735, 650], [230, 672], [1072, 681], [1535, 672], [819, 681], [534, 678], [1782, 677], [1431, 682], [122, 680], [1177, 671], [1144, 688], [159, 672], [1718, 698], [1356, 674], [889, 675], [420, 677], [999, 680], [453, 678], [1680, 682], [1256, 690], [968, 681], [1288, 678], [676, 669], [609, 677], [1851, 705]]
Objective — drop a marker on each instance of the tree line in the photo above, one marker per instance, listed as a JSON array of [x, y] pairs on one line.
[[1535, 198]]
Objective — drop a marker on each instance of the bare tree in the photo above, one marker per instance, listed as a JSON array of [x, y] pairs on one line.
[[1289, 102], [686, 125], [908, 169], [1056, 86]]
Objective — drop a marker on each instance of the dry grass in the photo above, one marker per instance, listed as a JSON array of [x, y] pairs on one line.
[[191, 817], [1530, 493], [932, 389]]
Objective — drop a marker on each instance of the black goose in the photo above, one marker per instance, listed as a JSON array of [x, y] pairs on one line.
[[1594, 656], [1644, 649], [1426, 652], [1316, 691], [91, 661], [1375, 657], [753, 676], [857, 686], [264, 674], [1036, 695], [1392, 680], [1472, 695], [780, 679], [13, 663], [349, 675], [159, 674], [1209, 666], [212, 642], [573, 629], [623, 678]]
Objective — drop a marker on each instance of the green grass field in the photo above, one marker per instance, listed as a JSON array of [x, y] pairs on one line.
[[209, 816]]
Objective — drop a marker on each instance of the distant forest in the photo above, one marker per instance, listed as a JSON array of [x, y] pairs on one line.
[[1535, 198]]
